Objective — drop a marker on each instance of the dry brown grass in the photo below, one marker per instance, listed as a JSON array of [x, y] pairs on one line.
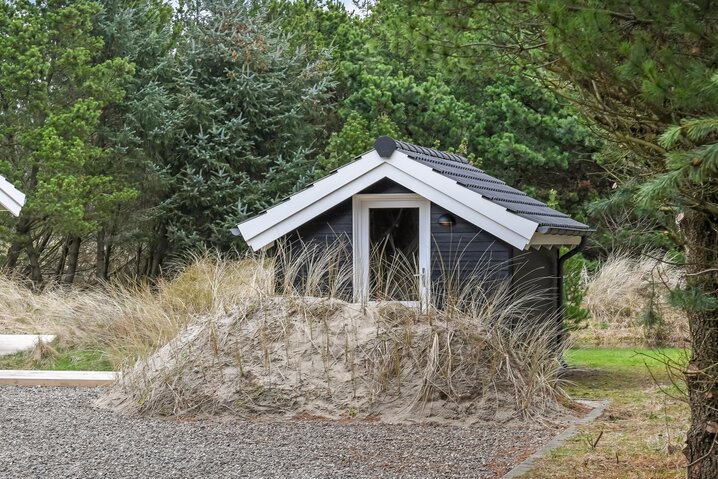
[[617, 297], [481, 343], [288, 356], [127, 322], [261, 345]]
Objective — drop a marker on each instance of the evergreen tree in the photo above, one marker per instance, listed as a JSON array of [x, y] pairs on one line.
[[643, 74], [136, 131], [249, 105], [506, 123], [53, 88]]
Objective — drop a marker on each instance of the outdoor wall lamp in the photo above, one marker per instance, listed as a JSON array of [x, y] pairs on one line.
[[447, 221]]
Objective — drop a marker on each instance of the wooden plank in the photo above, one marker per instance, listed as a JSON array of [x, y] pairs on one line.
[[17, 377]]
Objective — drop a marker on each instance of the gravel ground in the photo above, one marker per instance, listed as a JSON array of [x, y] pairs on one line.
[[57, 433]]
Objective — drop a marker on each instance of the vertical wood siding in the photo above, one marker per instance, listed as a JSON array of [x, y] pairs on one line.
[[315, 237], [462, 252], [536, 271], [457, 253]]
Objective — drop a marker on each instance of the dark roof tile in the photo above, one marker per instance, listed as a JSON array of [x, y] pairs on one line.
[[460, 170]]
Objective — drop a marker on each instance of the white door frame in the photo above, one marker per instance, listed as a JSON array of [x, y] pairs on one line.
[[360, 239]]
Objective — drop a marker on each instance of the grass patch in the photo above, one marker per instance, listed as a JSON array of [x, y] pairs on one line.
[[62, 360], [623, 359], [641, 432]]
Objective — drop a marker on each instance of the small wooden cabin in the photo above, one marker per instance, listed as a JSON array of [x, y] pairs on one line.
[[431, 208]]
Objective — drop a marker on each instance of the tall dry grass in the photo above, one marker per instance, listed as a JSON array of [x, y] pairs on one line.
[[128, 322], [618, 295], [296, 337], [476, 334]]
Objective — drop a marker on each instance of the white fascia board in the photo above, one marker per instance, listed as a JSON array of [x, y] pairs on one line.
[[308, 197], [293, 220], [11, 199], [493, 218], [422, 180], [541, 239]]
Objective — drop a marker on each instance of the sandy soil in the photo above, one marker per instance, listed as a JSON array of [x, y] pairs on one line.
[[286, 358]]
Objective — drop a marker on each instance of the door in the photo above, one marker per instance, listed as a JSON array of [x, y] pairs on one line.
[[391, 248]]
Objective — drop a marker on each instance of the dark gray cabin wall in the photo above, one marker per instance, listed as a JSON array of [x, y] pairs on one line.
[[318, 234], [334, 225], [536, 272], [385, 186], [463, 251], [337, 222], [457, 252], [329, 226]]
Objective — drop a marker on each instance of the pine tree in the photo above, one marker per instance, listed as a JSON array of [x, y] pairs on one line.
[[136, 131], [643, 75], [53, 88], [249, 105]]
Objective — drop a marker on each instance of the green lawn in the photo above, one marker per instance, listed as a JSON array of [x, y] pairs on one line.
[[624, 359], [61, 360], [641, 432]]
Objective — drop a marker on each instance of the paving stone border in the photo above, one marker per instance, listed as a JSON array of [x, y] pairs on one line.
[[598, 408]]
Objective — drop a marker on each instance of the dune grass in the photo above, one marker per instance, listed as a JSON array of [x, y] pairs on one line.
[[479, 323], [618, 296], [112, 326]]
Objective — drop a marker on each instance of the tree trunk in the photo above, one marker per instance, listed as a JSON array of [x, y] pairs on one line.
[[35, 270], [23, 226], [73, 253], [158, 253], [22, 231], [138, 266], [701, 235], [108, 256], [63, 258], [101, 255]]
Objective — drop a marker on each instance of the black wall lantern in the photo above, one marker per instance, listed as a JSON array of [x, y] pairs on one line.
[[446, 220]]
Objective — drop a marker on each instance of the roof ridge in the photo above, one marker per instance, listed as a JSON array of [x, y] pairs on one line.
[[458, 168], [444, 155], [385, 145]]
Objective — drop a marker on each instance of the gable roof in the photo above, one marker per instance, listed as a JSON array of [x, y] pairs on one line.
[[11, 199], [446, 179], [459, 169]]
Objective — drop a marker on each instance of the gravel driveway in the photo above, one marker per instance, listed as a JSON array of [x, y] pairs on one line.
[[56, 433]]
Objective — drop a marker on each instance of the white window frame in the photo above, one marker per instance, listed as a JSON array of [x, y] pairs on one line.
[[361, 204]]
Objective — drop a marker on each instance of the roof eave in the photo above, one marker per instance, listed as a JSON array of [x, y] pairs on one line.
[[493, 218], [554, 230]]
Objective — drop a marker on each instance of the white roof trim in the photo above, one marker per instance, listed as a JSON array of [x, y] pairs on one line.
[[11, 199], [350, 179]]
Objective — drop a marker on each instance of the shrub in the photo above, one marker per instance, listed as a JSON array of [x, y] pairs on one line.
[[575, 276]]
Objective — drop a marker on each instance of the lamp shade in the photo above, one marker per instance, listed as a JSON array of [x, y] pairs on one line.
[[447, 221]]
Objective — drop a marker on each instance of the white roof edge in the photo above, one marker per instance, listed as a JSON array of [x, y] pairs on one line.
[[354, 177], [307, 197], [11, 199]]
